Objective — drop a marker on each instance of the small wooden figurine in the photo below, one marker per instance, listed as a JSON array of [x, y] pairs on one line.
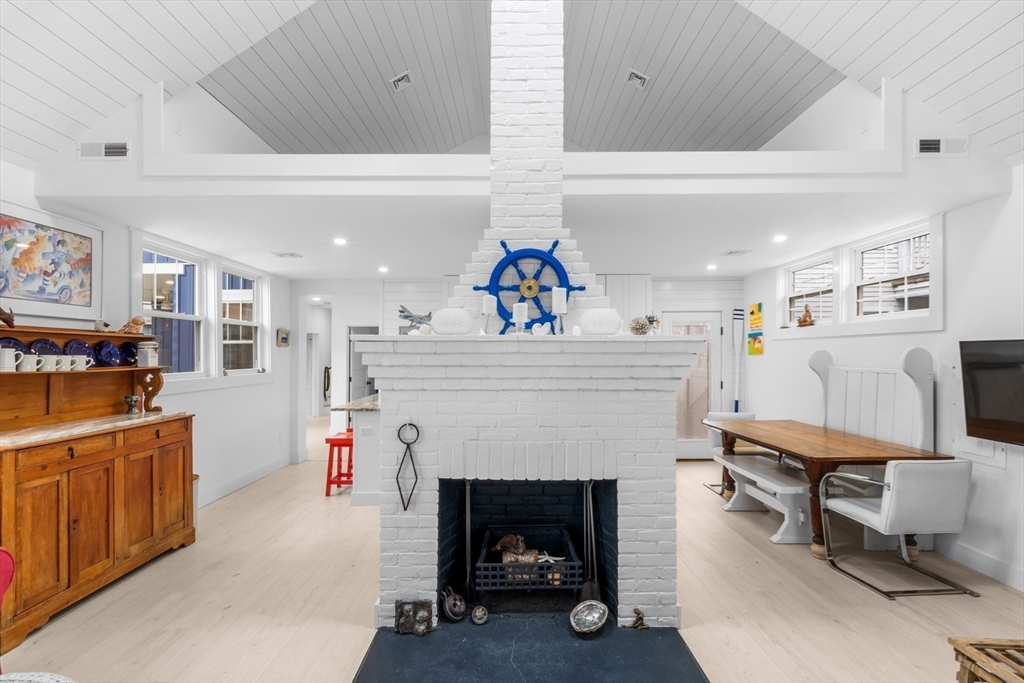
[[133, 326], [806, 319]]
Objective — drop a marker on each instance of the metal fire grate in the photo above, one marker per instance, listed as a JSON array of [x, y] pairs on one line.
[[494, 575]]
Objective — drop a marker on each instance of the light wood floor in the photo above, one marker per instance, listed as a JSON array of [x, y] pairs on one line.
[[317, 429], [281, 583]]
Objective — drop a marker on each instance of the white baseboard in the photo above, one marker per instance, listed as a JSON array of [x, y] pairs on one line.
[[998, 569], [208, 494]]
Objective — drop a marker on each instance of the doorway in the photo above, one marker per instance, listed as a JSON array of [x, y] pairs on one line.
[[360, 384], [701, 392]]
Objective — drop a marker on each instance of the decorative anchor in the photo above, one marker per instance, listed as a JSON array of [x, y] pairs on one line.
[[529, 288], [412, 463]]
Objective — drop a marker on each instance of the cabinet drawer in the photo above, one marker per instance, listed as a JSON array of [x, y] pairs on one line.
[[159, 430], [65, 450]]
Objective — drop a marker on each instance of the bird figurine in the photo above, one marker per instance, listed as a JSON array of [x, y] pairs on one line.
[[133, 326]]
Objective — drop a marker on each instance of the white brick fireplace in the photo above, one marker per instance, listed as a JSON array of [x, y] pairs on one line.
[[525, 408]]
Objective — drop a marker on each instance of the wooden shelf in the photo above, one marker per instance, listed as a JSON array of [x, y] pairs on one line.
[[93, 370], [63, 335]]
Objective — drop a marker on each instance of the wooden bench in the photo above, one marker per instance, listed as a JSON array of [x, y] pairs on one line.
[[989, 660], [762, 482]]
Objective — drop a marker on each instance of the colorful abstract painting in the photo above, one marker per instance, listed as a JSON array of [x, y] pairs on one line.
[[45, 264], [755, 337]]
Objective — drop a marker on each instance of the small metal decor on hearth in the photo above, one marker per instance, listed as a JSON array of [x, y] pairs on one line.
[[133, 404], [453, 604], [638, 622], [479, 615], [407, 456], [414, 616]]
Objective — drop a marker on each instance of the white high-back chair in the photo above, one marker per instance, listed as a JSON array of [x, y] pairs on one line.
[[918, 497], [715, 444]]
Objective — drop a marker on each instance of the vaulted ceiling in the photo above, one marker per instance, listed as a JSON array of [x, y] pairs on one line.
[[312, 77], [67, 65]]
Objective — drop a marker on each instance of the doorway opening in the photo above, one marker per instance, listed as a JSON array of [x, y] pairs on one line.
[[360, 384], [701, 392]]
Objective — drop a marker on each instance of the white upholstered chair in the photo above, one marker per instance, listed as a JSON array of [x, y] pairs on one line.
[[918, 497], [715, 444]]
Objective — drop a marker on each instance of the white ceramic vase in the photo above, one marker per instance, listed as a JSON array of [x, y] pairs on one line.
[[600, 321], [451, 321]]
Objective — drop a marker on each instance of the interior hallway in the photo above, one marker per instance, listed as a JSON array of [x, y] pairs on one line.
[[317, 429], [281, 583]]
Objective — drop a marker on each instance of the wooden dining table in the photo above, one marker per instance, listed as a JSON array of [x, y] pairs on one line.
[[820, 450]]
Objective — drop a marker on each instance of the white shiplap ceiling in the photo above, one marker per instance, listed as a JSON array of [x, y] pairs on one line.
[[963, 58], [319, 84], [67, 65], [721, 78]]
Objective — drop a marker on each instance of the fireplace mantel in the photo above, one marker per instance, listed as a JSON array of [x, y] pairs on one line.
[[532, 408]]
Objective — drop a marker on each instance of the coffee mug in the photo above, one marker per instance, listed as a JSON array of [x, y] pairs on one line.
[[80, 363], [30, 363], [56, 363], [9, 359]]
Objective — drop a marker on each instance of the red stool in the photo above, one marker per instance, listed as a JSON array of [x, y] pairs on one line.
[[335, 461]]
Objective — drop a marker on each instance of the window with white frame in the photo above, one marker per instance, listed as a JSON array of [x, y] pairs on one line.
[[240, 321], [811, 287], [893, 277], [172, 304]]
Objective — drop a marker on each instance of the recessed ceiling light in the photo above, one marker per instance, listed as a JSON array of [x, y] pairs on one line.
[[340, 241], [711, 266], [383, 269], [316, 298], [286, 254], [779, 238]]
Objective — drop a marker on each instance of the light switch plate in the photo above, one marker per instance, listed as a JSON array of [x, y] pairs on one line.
[[366, 431]]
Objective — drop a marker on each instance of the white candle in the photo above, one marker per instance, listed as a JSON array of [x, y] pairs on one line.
[[519, 315], [490, 304], [559, 299]]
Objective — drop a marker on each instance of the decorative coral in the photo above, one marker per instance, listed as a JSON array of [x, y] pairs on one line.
[[639, 326]]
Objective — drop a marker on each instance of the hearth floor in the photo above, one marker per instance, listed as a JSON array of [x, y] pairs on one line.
[[528, 647]]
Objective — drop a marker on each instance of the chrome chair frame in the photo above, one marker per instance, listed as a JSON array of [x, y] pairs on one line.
[[954, 588]]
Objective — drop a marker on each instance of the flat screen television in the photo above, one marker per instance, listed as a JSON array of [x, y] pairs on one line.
[[993, 374]]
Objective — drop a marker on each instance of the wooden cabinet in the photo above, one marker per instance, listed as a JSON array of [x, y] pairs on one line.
[[87, 493]]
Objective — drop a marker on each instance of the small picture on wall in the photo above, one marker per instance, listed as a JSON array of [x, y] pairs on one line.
[[44, 264], [755, 337]]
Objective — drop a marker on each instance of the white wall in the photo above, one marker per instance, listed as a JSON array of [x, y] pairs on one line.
[[241, 425], [196, 123], [847, 117], [984, 300]]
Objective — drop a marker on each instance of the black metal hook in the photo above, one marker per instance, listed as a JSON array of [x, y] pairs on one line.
[[406, 500]]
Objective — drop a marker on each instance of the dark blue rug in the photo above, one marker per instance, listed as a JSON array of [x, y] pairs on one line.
[[528, 648]]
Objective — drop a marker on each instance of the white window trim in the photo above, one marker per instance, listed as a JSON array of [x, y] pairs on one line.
[[146, 242], [212, 378], [845, 321], [261, 315], [785, 275]]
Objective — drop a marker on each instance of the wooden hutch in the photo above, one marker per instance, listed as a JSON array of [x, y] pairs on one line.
[[87, 492]]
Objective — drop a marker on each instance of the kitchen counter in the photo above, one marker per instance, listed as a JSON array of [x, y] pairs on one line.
[[16, 438], [367, 403]]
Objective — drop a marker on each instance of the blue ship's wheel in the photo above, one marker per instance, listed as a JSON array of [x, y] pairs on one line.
[[529, 287]]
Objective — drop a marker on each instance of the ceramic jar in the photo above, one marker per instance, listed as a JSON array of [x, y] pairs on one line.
[[451, 321], [148, 355], [600, 321]]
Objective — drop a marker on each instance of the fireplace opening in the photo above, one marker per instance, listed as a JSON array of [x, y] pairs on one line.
[[550, 518]]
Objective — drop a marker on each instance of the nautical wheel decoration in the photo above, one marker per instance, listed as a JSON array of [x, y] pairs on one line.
[[515, 264]]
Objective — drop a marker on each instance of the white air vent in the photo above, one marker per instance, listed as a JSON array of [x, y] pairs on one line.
[[636, 79], [286, 254], [736, 252], [400, 82], [941, 147], [104, 150]]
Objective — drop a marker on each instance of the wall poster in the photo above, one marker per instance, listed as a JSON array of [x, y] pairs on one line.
[[49, 266], [755, 337]]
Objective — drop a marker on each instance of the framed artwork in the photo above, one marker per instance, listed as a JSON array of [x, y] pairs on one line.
[[755, 337], [49, 266]]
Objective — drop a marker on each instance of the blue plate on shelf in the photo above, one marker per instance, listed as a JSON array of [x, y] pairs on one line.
[[12, 343], [108, 355], [46, 347], [130, 352], [77, 347]]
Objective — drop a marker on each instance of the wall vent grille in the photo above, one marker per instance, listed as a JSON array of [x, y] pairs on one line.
[[941, 147], [736, 252], [400, 82], [286, 254], [637, 79], [104, 150]]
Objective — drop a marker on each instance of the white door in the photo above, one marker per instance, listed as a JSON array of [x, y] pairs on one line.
[[701, 392]]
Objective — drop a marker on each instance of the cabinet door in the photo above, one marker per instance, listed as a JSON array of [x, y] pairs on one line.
[[41, 519], [91, 496], [170, 465], [140, 501]]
